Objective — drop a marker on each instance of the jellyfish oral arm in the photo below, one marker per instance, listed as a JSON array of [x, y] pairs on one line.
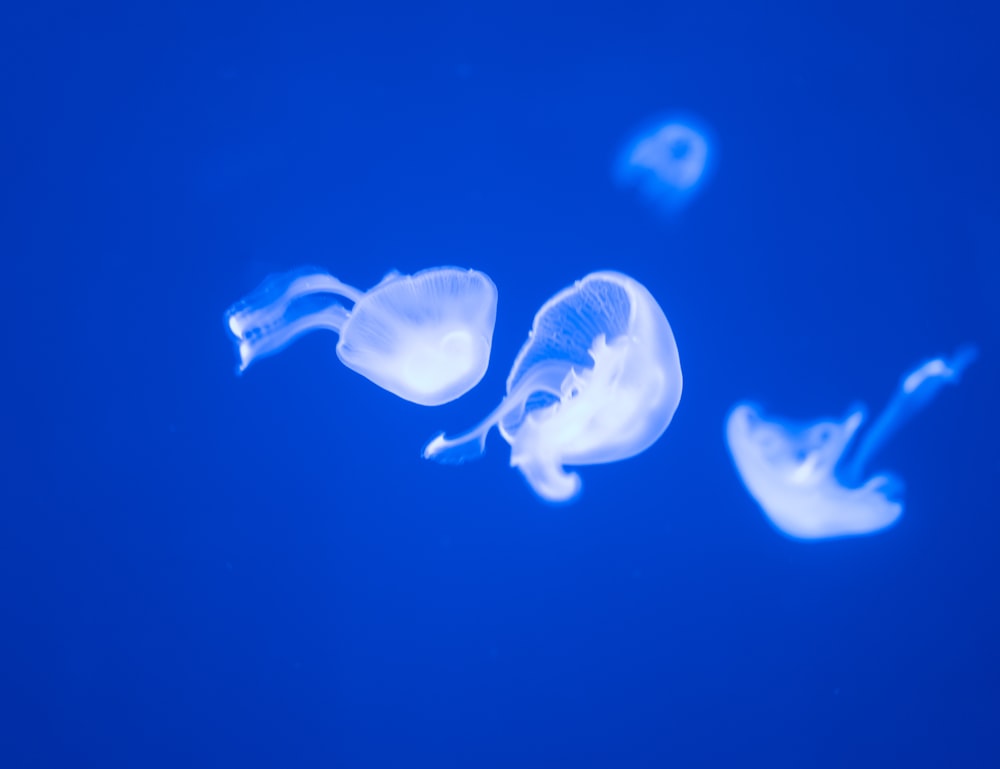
[[261, 342], [280, 311], [468, 446], [547, 478], [546, 377], [924, 382], [916, 389]]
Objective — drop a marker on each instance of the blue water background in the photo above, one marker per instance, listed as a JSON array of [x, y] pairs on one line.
[[201, 570]]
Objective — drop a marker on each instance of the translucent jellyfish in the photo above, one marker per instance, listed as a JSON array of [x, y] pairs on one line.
[[425, 337], [597, 381], [668, 161], [803, 476]]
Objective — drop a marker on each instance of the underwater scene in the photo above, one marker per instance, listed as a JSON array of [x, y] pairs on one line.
[[529, 385]]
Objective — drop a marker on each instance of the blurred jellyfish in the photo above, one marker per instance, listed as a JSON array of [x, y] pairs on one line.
[[802, 475], [668, 161], [597, 381], [424, 337]]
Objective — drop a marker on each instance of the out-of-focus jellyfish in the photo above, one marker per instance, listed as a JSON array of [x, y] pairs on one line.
[[597, 381], [668, 160], [425, 337], [802, 474]]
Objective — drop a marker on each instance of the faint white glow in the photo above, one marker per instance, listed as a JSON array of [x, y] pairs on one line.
[[668, 161]]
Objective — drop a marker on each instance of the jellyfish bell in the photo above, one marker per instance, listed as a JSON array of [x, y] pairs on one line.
[[675, 154], [597, 381], [425, 337], [812, 479], [667, 160]]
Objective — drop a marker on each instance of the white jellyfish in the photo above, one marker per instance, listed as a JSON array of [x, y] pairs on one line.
[[597, 381], [668, 161], [803, 476], [425, 337]]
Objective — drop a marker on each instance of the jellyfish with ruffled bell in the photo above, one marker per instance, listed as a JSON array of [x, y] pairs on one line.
[[805, 477], [597, 381], [425, 337]]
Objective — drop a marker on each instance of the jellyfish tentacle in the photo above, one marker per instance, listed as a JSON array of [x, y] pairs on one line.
[[260, 343], [284, 308], [547, 477], [268, 304], [470, 445], [916, 390], [324, 283]]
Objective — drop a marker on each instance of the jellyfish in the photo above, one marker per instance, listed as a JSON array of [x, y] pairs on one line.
[[804, 476], [424, 337], [668, 161], [597, 381]]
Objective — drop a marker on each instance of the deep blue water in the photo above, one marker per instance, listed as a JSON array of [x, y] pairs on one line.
[[204, 570]]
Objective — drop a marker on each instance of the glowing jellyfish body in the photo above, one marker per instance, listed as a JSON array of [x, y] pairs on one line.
[[424, 337], [668, 161], [802, 475], [597, 381]]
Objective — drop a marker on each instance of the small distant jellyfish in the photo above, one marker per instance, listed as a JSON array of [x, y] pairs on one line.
[[668, 161], [424, 337], [803, 475], [597, 381]]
